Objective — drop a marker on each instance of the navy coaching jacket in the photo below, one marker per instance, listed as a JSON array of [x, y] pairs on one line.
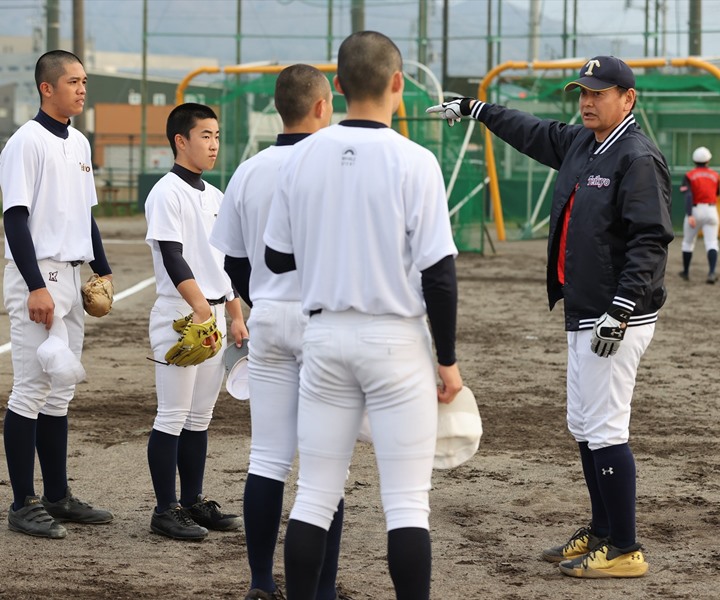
[[620, 226]]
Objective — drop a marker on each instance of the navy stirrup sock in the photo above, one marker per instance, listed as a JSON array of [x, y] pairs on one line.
[[262, 510], [162, 459], [19, 436], [51, 444], [600, 525], [328, 574], [615, 467], [304, 552], [410, 561], [192, 452]]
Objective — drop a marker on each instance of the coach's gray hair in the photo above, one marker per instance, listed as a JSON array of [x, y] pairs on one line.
[[51, 66], [366, 62]]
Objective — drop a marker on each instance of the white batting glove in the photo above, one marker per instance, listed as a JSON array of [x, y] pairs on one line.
[[607, 334], [453, 110]]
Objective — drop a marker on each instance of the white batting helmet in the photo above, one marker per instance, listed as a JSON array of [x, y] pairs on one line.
[[701, 155]]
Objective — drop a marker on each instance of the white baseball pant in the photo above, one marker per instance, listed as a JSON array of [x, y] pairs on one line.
[[599, 390], [706, 220], [32, 392], [186, 396], [353, 361], [275, 355]]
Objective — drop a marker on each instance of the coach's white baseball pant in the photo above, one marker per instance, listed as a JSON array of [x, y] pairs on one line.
[[706, 220], [33, 392], [276, 332], [352, 361], [186, 396], [600, 390]]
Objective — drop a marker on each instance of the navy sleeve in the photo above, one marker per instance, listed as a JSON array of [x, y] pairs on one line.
[[439, 285], [100, 264], [239, 270], [17, 232], [279, 262], [175, 265]]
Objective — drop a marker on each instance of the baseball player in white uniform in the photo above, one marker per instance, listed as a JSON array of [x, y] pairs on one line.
[[48, 192], [361, 212], [181, 210], [303, 99], [700, 187]]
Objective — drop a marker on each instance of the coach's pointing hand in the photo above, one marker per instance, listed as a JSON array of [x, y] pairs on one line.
[[453, 110]]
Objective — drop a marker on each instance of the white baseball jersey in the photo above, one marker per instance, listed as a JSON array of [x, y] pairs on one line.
[[53, 178], [177, 212], [241, 222], [346, 260]]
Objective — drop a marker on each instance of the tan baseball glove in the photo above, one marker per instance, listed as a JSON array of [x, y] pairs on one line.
[[97, 295], [194, 347]]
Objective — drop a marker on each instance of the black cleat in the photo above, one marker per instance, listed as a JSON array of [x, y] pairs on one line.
[[74, 510], [177, 523]]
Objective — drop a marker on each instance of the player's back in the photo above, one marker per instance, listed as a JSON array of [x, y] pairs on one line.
[[241, 221], [365, 205]]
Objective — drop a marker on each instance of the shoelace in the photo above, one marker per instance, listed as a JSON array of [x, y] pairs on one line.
[[591, 555], [577, 536], [182, 516], [209, 506]]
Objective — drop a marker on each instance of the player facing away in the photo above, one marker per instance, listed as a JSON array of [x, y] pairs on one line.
[[361, 211], [303, 99], [700, 187], [180, 210], [48, 192], [607, 250]]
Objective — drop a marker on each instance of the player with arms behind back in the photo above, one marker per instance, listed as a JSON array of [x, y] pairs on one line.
[[701, 187], [303, 99], [607, 251], [48, 192], [362, 212], [181, 210]]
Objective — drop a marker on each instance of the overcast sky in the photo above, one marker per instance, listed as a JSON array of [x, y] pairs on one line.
[[275, 29]]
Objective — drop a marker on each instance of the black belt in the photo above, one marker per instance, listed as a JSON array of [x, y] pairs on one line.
[[216, 301], [76, 263], [315, 311]]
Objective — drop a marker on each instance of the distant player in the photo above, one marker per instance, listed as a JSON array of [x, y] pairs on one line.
[[181, 210], [362, 212], [303, 99], [48, 190], [700, 187], [610, 228]]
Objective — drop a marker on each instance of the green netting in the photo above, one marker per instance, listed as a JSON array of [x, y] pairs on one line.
[[249, 124]]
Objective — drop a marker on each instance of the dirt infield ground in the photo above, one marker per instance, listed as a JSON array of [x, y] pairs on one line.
[[491, 517]]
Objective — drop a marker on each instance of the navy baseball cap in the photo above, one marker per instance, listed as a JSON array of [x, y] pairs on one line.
[[602, 73]]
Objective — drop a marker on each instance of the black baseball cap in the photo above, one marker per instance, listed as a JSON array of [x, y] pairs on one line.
[[602, 73]]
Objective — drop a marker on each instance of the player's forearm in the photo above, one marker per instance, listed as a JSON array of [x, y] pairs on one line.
[[17, 232], [439, 285], [99, 264], [192, 294]]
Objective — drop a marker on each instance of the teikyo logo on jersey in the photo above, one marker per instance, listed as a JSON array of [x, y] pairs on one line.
[[598, 181], [348, 157], [85, 168]]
